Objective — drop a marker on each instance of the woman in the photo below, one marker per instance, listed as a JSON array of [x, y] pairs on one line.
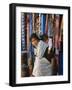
[[42, 67]]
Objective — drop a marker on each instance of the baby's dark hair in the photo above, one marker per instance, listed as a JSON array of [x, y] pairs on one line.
[[34, 35], [44, 37]]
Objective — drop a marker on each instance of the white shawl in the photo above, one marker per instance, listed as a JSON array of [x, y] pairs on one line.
[[42, 67]]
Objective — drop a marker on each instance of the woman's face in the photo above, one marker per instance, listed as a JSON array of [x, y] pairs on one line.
[[34, 42]]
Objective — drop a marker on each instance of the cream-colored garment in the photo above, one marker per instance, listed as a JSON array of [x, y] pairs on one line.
[[42, 67]]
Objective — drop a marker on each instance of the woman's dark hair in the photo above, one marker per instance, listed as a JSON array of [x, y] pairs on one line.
[[34, 35]]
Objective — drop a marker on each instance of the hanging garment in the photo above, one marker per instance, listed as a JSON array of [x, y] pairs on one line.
[[50, 29], [43, 23]]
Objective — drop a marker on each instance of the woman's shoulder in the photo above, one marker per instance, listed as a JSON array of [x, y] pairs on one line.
[[42, 43]]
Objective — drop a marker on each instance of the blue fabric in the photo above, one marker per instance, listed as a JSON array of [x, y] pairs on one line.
[[31, 49], [60, 69], [30, 24], [43, 22]]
